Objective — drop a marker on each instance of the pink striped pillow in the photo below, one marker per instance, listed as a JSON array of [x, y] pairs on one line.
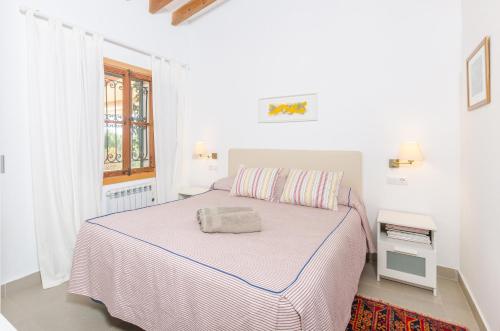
[[312, 188], [258, 183]]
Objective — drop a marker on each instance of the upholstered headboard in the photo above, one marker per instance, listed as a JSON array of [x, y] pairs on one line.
[[347, 161]]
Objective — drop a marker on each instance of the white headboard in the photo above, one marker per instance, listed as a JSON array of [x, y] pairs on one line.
[[348, 161]]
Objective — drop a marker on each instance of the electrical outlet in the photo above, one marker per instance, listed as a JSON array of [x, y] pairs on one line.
[[397, 180]]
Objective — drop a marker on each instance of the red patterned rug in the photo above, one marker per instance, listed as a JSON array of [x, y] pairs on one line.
[[371, 315]]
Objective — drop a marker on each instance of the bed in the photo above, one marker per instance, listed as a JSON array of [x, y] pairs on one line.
[[154, 268]]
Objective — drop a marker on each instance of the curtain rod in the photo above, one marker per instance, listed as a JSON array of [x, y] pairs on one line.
[[39, 15]]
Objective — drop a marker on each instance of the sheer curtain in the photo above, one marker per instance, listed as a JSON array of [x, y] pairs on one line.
[[169, 107], [65, 74]]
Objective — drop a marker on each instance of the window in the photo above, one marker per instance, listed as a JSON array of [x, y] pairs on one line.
[[128, 123]]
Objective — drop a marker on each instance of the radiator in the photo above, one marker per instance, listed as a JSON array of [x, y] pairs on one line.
[[129, 198]]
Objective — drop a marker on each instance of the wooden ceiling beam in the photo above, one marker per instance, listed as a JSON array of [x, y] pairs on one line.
[[156, 5], [189, 9]]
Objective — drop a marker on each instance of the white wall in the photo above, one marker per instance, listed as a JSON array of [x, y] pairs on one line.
[[140, 29], [480, 245], [385, 71]]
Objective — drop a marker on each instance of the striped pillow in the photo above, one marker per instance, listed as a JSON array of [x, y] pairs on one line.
[[312, 188], [256, 183]]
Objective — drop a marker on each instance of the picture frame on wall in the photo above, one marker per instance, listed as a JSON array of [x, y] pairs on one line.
[[293, 108], [478, 76]]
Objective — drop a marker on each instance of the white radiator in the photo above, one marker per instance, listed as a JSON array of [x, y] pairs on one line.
[[129, 197]]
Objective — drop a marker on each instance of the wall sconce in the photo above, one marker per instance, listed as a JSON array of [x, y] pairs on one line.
[[200, 151], [409, 152]]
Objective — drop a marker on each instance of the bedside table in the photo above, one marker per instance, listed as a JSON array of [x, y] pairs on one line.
[[189, 191], [402, 260]]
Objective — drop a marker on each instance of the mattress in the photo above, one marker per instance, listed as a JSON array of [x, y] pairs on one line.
[[154, 268]]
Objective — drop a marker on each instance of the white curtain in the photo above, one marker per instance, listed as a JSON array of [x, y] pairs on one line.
[[66, 75], [169, 108]]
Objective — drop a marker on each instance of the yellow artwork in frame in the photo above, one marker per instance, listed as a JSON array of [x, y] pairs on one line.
[[295, 108], [287, 108]]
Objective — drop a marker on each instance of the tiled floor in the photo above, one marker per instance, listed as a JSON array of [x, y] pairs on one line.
[[29, 308]]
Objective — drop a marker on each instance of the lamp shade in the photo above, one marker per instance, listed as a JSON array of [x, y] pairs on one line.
[[410, 151], [200, 148]]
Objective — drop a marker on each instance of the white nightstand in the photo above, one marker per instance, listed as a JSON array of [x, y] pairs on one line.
[[189, 191], [402, 260]]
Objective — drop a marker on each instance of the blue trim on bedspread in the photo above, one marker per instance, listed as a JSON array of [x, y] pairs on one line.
[[220, 270]]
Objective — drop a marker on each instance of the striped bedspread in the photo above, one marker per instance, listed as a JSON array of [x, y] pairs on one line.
[[154, 268]]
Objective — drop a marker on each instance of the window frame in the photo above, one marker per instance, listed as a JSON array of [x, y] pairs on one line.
[[129, 73]]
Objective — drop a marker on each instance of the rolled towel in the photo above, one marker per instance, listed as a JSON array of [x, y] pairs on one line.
[[230, 222]]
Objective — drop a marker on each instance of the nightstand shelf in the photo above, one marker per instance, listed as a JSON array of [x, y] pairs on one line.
[[407, 261], [189, 191], [409, 244]]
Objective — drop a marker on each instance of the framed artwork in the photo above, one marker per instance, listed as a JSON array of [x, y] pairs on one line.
[[294, 108], [478, 76]]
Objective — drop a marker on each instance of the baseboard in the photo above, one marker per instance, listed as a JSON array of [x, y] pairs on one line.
[[13, 278], [24, 282], [448, 273], [481, 321]]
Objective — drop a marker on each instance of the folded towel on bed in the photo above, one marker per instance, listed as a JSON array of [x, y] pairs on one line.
[[220, 210], [228, 220]]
